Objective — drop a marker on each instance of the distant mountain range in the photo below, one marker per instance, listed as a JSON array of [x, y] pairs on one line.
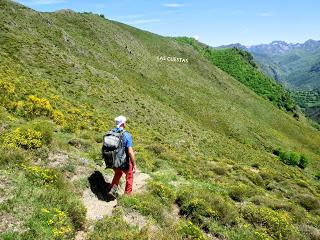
[[295, 65]]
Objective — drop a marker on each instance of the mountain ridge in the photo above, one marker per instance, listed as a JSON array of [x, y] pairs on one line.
[[291, 64], [309, 44]]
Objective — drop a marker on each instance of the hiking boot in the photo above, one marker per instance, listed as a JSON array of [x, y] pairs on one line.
[[114, 191]]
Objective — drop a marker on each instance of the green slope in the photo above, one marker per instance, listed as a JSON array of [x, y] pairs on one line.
[[64, 76]]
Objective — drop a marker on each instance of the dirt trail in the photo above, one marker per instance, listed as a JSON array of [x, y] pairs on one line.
[[98, 207]]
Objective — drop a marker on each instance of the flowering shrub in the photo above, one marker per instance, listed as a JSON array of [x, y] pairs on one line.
[[41, 175], [200, 206], [59, 223], [162, 191], [190, 231], [35, 107], [277, 224], [58, 117], [240, 191], [7, 94], [23, 137], [7, 88]]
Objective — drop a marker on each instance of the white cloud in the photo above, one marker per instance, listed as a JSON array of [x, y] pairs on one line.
[[143, 21], [173, 5], [265, 14], [42, 2], [196, 37]]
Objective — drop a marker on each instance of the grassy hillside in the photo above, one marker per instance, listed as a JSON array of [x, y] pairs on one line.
[[210, 144], [240, 64]]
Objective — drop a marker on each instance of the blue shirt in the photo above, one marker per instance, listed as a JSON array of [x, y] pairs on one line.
[[127, 138]]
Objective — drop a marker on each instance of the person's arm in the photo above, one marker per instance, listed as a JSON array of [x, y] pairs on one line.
[[132, 157]]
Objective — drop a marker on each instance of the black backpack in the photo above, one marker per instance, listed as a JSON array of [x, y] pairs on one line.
[[114, 152]]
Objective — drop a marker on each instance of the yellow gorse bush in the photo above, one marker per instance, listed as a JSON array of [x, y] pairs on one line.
[[277, 224], [58, 117], [39, 174], [59, 223], [7, 94], [36, 107], [7, 88], [164, 192], [190, 231], [25, 138]]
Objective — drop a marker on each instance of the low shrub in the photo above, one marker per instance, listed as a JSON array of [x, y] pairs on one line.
[[81, 144], [247, 232], [197, 210], [58, 117], [240, 192], [309, 231], [292, 158], [277, 224], [7, 88], [289, 158], [115, 228], [7, 92], [58, 221], [46, 128], [297, 213], [309, 202], [23, 137], [40, 175], [189, 231], [304, 161], [165, 193], [202, 206], [147, 204], [220, 170], [34, 107], [156, 148], [31, 136], [12, 156], [51, 208], [77, 212], [255, 178]]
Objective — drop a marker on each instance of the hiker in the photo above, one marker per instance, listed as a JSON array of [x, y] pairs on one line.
[[123, 158]]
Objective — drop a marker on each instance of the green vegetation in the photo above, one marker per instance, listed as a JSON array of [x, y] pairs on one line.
[[43, 201], [309, 101], [240, 65], [204, 137], [276, 224], [292, 158]]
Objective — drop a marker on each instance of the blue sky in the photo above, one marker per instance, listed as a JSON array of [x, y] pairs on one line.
[[215, 22]]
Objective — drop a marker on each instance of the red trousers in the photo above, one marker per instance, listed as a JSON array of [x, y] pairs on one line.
[[129, 177]]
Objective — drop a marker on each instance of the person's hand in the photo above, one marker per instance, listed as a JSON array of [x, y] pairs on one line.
[[134, 169]]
